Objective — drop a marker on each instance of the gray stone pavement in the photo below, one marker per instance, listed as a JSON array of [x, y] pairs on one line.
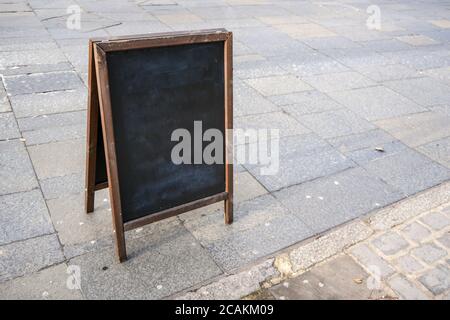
[[364, 118], [406, 256]]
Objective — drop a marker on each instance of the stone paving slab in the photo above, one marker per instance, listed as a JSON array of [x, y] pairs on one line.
[[360, 141], [417, 129], [366, 155], [442, 74], [4, 101], [278, 85], [308, 97], [52, 128], [339, 81], [388, 72], [74, 225], [390, 243], [406, 289], [28, 256], [248, 101], [24, 58], [335, 123], [24, 216], [326, 282], [385, 45], [59, 187], [259, 68], [376, 103], [260, 226], [419, 59], [302, 158], [425, 91], [273, 120], [358, 57], [16, 170], [47, 284], [410, 174], [160, 263], [8, 126], [31, 105], [308, 64], [19, 31], [309, 102], [36, 68], [39, 83], [438, 150], [234, 286], [66, 157], [329, 201], [27, 43]]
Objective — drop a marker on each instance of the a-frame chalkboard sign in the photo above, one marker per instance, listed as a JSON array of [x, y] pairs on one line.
[[141, 89]]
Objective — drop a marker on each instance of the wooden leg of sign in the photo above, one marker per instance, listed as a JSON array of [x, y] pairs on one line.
[[92, 131], [228, 54], [229, 211], [110, 151]]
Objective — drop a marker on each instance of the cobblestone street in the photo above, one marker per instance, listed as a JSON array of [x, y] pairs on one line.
[[361, 95]]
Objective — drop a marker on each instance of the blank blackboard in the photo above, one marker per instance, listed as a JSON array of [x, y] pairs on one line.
[[141, 89], [153, 92]]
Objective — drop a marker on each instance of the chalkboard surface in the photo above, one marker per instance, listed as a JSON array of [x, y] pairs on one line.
[[153, 92]]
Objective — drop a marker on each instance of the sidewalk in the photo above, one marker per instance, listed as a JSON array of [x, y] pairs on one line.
[[364, 120], [401, 252], [409, 261]]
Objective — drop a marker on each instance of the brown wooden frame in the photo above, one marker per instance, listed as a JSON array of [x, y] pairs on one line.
[[99, 104]]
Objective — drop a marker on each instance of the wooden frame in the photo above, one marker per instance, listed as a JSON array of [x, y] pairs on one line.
[[99, 105]]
